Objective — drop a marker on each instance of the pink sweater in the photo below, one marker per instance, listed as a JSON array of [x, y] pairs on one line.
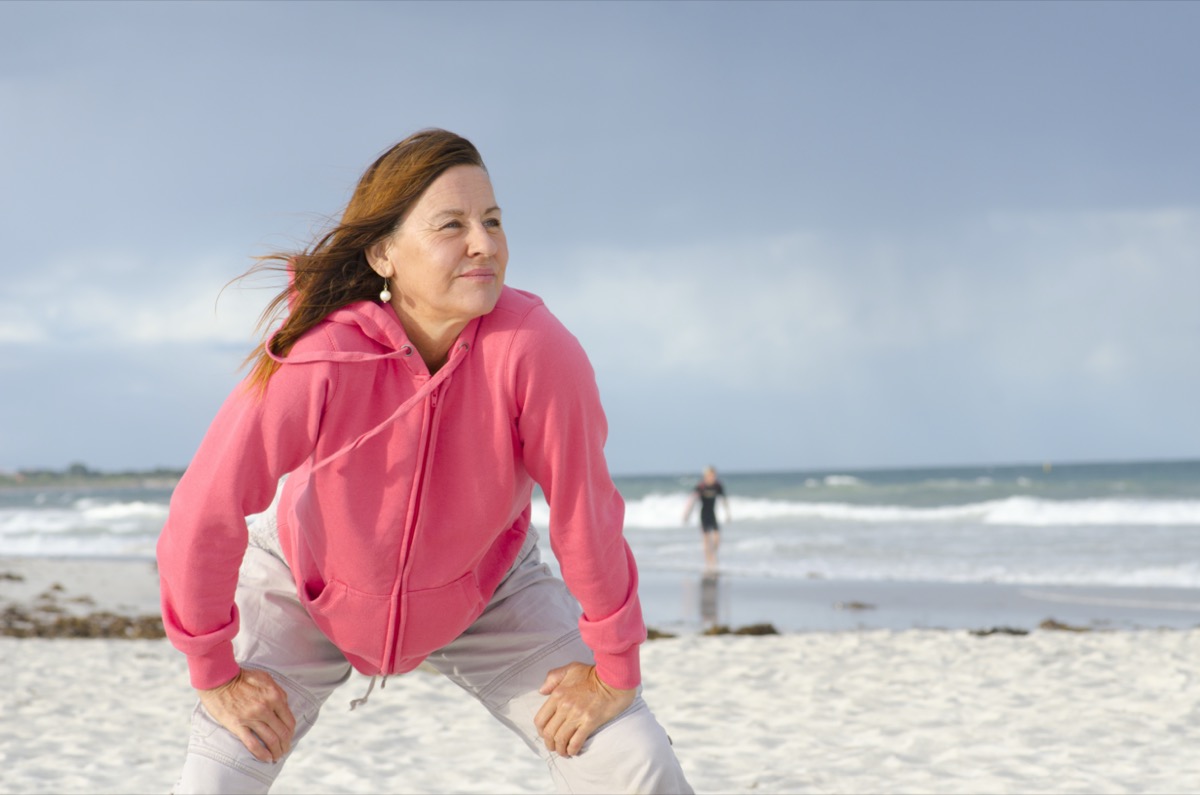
[[409, 495]]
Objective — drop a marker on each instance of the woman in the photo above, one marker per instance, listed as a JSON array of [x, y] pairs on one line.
[[408, 403], [707, 491]]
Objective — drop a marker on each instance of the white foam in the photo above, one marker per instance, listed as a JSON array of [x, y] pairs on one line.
[[842, 480], [666, 510], [100, 511], [88, 527], [1020, 539], [16, 521], [1031, 512]]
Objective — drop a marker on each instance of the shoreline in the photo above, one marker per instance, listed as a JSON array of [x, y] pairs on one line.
[[166, 479], [681, 603], [689, 600]]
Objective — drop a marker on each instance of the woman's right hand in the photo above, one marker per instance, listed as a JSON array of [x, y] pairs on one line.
[[255, 709]]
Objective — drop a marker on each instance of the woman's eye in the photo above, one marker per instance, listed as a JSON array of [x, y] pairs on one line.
[[452, 225], [494, 223]]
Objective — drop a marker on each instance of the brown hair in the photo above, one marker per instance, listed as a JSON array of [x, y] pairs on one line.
[[334, 272]]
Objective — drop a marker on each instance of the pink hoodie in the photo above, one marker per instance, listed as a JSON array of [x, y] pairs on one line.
[[409, 494]]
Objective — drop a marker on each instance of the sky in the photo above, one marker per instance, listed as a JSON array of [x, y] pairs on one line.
[[809, 236]]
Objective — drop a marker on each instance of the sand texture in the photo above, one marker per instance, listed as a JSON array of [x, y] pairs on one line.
[[858, 711]]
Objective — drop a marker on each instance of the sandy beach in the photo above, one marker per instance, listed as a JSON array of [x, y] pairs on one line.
[[865, 710]]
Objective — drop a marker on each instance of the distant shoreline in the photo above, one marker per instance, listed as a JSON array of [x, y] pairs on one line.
[[80, 475], [157, 478], [685, 603]]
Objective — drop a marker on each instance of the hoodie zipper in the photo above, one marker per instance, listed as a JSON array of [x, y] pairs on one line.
[[429, 433], [427, 394]]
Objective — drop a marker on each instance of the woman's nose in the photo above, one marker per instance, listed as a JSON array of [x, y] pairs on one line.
[[481, 241]]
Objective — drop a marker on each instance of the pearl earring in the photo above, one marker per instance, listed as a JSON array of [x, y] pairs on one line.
[[385, 294]]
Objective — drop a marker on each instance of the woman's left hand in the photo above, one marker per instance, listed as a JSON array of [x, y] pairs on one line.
[[578, 704]]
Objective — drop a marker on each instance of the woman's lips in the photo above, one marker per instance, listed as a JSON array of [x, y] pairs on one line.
[[479, 275]]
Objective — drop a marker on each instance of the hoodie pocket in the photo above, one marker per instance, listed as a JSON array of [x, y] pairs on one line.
[[435, 616], [355, 621]]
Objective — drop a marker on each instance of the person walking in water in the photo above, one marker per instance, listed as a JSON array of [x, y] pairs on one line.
[[707, 491]]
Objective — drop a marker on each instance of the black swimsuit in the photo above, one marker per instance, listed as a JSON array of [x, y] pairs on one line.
[[708, 504]]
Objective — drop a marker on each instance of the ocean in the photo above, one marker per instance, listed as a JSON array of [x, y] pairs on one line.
[[1109, 525], [1133, 524], [1122, 524]]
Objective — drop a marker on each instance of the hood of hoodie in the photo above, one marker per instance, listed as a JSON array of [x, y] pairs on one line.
[[380, 324]]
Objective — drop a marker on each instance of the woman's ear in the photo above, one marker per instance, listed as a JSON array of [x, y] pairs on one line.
[[378, 260]]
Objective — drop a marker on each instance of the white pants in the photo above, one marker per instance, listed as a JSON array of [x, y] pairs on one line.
[[529, 627]]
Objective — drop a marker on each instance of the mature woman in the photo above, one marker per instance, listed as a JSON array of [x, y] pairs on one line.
[[408, 403]]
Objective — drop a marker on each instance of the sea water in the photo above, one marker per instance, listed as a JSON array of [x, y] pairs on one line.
[[1121, 524], [1131, 524]]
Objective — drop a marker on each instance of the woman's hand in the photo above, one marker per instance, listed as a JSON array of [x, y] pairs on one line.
[[578, 704], [255, 709]]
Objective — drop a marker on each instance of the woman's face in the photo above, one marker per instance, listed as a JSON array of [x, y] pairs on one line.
[[445, 262]]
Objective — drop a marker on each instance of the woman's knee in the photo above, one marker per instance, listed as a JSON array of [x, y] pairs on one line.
[[217, 761], [631, 753]]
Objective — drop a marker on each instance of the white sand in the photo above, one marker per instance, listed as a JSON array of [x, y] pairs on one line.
[[924, 711]]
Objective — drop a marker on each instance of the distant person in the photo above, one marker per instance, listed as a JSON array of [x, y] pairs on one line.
[[390, 434], [707, 491]]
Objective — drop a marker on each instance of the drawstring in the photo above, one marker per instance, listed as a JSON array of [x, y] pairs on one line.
[[441, 377], [358, 702]]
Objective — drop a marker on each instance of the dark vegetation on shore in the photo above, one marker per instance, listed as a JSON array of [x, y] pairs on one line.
[[53, 615], [78, 474]]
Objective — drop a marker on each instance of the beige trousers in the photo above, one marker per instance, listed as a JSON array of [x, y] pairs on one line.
[[529, 627]]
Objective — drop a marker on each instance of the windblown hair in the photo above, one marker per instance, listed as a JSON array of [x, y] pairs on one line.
[[334, 272]]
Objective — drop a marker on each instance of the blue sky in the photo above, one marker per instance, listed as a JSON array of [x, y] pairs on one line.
[[790, 235]]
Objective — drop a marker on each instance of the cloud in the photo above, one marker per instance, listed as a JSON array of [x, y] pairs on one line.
[[119, 360], [723, 307], [121, 299], [1034, 300], [1006, 337]]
